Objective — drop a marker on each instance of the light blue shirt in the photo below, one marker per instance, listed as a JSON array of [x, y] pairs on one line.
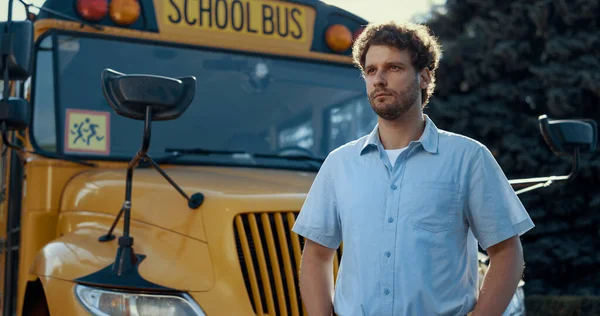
[[410, 231]]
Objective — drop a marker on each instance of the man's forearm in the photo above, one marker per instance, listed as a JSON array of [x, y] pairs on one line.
[[500, 283], [316, 287]]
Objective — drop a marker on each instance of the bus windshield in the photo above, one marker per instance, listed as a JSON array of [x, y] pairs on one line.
[[243, 102]]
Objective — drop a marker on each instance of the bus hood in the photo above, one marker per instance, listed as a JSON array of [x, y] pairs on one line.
[[227, 192]]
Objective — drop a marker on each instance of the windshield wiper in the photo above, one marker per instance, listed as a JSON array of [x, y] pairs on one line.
[[179, 152], [62, 15]]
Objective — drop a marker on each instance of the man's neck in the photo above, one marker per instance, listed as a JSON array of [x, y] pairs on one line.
[[400, 132]]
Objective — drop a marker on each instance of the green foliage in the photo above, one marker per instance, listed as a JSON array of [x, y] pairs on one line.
[[562, 305], [505, 63]]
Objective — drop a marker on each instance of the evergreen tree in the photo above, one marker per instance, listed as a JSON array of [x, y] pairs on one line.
[[504, 64]]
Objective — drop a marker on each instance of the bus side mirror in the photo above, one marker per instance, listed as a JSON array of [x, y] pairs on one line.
[[564, 136], [14, 112], [129, 95], [16, 45], [16, 55]]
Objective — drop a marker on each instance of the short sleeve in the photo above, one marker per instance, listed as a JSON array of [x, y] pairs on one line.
[[494, 211], [318, 219]]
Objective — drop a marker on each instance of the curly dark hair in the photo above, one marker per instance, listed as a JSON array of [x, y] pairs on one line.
[[417, 38]]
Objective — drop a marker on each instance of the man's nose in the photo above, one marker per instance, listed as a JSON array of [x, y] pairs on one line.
[[380, 79]]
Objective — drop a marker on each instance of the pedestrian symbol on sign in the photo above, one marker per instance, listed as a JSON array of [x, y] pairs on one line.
[[85, 135], [88, 132]]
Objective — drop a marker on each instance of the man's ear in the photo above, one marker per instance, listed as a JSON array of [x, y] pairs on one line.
[[425, 75]]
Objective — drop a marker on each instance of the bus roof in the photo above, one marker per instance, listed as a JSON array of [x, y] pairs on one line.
[[317, 15]]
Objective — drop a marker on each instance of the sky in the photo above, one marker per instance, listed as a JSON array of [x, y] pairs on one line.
[[371, 10]]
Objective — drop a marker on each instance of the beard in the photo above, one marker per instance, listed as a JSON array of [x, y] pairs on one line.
[[399, 104]]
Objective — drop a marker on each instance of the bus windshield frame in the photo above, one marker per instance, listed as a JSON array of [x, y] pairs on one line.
[[332, 120]]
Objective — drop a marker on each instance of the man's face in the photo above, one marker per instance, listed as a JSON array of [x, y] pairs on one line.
[[393, 86]]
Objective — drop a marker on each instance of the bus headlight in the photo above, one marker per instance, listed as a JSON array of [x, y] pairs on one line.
[[103, 302]]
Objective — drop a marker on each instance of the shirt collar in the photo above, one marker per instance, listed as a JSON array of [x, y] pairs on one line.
[[429, 138]]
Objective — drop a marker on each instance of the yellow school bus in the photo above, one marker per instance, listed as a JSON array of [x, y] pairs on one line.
[[247, 98], [269, 76]]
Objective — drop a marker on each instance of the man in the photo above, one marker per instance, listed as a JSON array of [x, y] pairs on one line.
[[409, 201]]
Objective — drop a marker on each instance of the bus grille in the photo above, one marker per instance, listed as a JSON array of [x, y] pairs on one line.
[[269, 254]]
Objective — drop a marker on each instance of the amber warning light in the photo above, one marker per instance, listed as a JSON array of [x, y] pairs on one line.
[[339, 38], [122, 12]]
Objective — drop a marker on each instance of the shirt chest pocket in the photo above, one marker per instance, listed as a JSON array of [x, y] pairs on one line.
[[431, 205]]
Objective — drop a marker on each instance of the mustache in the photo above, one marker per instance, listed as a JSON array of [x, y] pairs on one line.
[[380, 91]]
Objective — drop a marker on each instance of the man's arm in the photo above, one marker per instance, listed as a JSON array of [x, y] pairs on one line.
[[316, 279], [502, 278]]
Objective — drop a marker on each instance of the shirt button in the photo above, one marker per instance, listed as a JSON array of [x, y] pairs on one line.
[[394, 187], [388, 254], [386, 292], [390, 220]]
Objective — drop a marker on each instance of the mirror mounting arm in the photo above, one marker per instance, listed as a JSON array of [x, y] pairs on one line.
[[142, 153], [543, 182], [193, 202]]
